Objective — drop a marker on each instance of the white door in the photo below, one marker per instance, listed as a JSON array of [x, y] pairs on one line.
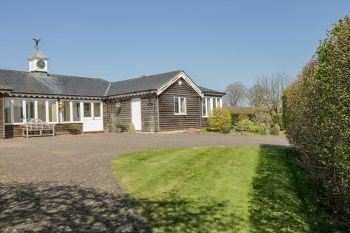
[[92, 116], [136, 113]]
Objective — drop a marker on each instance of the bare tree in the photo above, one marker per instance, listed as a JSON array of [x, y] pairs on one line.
[[235, 93], [267, 92]]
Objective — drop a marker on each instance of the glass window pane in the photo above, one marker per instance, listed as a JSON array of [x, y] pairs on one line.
[[183, 105], [42, 110], [52, 111], [214, 103], [204, 106], [76, 111], [7, 110], [87, 109], [208, 106], [176, 105], [66, 111], [97, 109], [17, 111], [30, 109]]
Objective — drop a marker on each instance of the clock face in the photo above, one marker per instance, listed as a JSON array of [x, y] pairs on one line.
[[40, 64]]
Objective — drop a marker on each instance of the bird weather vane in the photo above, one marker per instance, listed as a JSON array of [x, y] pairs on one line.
[[36, 41]]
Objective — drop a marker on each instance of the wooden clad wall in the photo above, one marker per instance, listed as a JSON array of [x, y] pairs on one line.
[[149, 114], [123, 114], [2, 117], [168, 120]]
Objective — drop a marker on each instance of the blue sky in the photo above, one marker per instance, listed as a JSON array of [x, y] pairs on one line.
[[215, 42]]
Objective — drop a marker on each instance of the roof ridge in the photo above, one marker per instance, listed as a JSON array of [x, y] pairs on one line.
[[144, 76]]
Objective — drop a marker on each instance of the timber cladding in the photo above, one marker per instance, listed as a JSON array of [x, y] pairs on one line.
[[168, 120], [119, 110], [2, 116]]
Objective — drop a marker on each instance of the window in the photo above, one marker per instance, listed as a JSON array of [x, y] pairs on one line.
[[52, 110], [210, 104], [42, 110], [76, 111], [204, 107], [87, 109], [16, 109], [65, 111], [97, 109], [8, 110], [30, 109], [17, 106], [180, 105]]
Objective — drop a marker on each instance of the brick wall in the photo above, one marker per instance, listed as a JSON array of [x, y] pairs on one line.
[[60, 129]]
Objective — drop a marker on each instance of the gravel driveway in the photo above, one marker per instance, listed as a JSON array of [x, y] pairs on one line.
[[64, 184]]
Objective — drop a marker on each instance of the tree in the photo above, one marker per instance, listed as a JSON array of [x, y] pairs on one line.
[[235, 93], [267, 92]]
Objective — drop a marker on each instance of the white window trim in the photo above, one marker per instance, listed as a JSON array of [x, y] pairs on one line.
[[218, 102], [93, 110], [205, 99], [24, 112], [179, 105]]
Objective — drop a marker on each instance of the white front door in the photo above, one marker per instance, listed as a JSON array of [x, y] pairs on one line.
[[92, 116], [136, 113]]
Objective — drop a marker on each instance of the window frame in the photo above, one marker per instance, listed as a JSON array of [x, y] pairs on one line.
[[24, 110], [179, 105], [209, 105]]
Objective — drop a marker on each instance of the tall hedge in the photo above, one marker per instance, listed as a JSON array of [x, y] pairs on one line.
[[317, 117]]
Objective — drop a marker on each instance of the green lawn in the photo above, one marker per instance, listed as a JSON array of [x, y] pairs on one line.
[[222, 189]]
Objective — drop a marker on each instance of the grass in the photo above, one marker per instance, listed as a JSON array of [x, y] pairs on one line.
[[222, 189]]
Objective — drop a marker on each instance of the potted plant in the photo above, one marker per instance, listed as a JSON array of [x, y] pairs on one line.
[[74, 129], [120, 126]]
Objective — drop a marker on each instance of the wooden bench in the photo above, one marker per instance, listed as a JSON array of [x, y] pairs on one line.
[[36, 127]]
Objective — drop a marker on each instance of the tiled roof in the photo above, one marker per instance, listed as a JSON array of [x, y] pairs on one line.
[[52, 84]]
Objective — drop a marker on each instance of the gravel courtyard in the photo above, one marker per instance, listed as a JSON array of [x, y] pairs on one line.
[[64, 183]]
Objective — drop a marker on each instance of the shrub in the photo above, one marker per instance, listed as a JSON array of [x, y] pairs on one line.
[[242, 116], [275, 129], [258, 128], [316, 116], [244, 125], [262, 118], [74, 129], [131, 128], [277, 120], [120, 125], [221, 120]]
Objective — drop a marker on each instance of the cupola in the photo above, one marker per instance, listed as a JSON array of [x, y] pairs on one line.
[[37, 60]]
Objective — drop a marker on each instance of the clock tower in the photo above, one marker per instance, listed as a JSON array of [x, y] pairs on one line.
[[37, 60]]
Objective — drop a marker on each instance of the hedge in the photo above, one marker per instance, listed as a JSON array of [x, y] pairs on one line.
[[317, 117]]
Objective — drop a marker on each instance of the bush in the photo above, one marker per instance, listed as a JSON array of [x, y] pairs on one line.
[[275, 129], [277, 120], [242, 116], [245, 125], [221, 120], [74, 129], [262, 118], [131, 128], [316, 115], [258, 128], [120, 125]]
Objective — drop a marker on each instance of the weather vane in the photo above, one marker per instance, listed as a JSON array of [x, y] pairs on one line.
[[36, 41]]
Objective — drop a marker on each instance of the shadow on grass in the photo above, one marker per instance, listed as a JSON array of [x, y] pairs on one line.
[[283, 199], [175, 214], [47, 208]]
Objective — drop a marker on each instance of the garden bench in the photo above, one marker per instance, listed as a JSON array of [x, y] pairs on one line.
[[36, 127]]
